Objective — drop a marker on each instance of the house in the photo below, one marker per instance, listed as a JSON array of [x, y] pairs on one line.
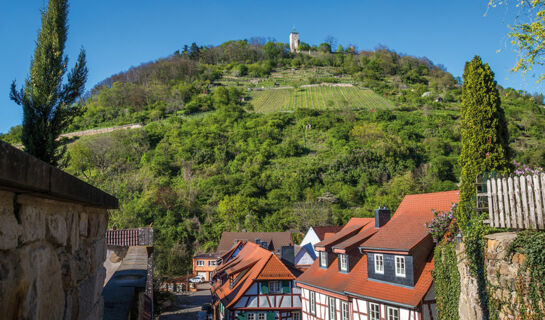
[[204, 264], [255, 285], [272, 241], [377, 268], [305, 253]]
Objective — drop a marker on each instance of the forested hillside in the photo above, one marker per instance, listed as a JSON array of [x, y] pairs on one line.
[[219, 152]]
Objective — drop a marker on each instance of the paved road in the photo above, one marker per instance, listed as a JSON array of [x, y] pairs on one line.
[[187, 306]]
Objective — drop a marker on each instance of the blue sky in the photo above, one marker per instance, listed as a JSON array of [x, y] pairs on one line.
[[120, 34]]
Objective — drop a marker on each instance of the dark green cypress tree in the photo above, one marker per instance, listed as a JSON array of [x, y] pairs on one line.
[[48, 104], [485, 139]]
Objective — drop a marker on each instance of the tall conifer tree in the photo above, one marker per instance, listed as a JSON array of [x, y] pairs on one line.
[[485, 139], [48, 104]]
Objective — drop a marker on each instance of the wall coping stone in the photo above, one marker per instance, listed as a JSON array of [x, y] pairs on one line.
[[22, 172], [502, 236]]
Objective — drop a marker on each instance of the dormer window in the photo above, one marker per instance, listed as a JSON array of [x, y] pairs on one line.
[[379, 263], [343, 262], [400, 266], [323, 259]]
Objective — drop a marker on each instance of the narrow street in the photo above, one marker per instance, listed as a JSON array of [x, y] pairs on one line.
[[187, 306]]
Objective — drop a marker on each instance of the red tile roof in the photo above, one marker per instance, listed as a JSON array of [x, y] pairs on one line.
[[390, 292], [275, 270], [354, 226], [251, 263], [322, 231], [130, 237], [275, 240], [407, 229]]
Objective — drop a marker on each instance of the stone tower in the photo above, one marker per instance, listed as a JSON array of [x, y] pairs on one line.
[[294, 41]]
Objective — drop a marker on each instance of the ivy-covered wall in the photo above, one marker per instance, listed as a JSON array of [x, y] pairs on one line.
[[515, 265], [447, 281]]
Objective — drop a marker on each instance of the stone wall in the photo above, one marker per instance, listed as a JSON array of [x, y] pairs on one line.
[[503, 275], [469, 307], [503, 280], [52, 244]]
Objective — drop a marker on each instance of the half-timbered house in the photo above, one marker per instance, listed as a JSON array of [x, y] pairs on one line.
[[377, 269], [255, 285]]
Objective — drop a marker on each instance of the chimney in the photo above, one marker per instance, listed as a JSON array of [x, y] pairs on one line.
[[287, 255], [382, 215]]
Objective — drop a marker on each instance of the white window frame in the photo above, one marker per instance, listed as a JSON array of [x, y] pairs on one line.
[[323, 259], [392, 313], [261, 316], [400, 266], [332, 309], [343, 262], [212, 263], [345, 315], [312, 301], [295, 316], [372, 315], [251, 316], [379, 263], [200, 263], [275, 287]]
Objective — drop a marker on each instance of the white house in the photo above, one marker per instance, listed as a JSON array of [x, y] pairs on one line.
[[305, 255]]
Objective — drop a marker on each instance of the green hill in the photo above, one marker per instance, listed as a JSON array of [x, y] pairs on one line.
[[215, 153]]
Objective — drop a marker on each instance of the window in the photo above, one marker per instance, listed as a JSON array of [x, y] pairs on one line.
[[400, 266], [379, 263], [274, 287], [312, 302], [211, 263], [261, 316], [251, 316], [374, 311], [332, 311], [393, 313], [344, 310], [200, 263], [294, 316], [343, 262], [323, 259]]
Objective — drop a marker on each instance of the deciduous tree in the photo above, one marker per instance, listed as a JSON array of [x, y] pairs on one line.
[[527, 33]]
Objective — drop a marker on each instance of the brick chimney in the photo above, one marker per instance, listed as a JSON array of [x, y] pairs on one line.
[[382, 216]]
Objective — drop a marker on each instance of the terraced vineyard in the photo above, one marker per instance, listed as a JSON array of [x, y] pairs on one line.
[[318, 97]]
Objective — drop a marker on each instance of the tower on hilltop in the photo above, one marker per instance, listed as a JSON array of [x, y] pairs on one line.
[[294, 41]]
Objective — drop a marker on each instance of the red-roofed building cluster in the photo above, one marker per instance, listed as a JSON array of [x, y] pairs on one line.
[[377, 268], [370, 269]]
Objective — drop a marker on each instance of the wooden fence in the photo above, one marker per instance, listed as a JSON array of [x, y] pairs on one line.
[[515, 202]]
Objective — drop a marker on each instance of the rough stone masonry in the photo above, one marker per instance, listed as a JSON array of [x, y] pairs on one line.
[[52, 244]]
